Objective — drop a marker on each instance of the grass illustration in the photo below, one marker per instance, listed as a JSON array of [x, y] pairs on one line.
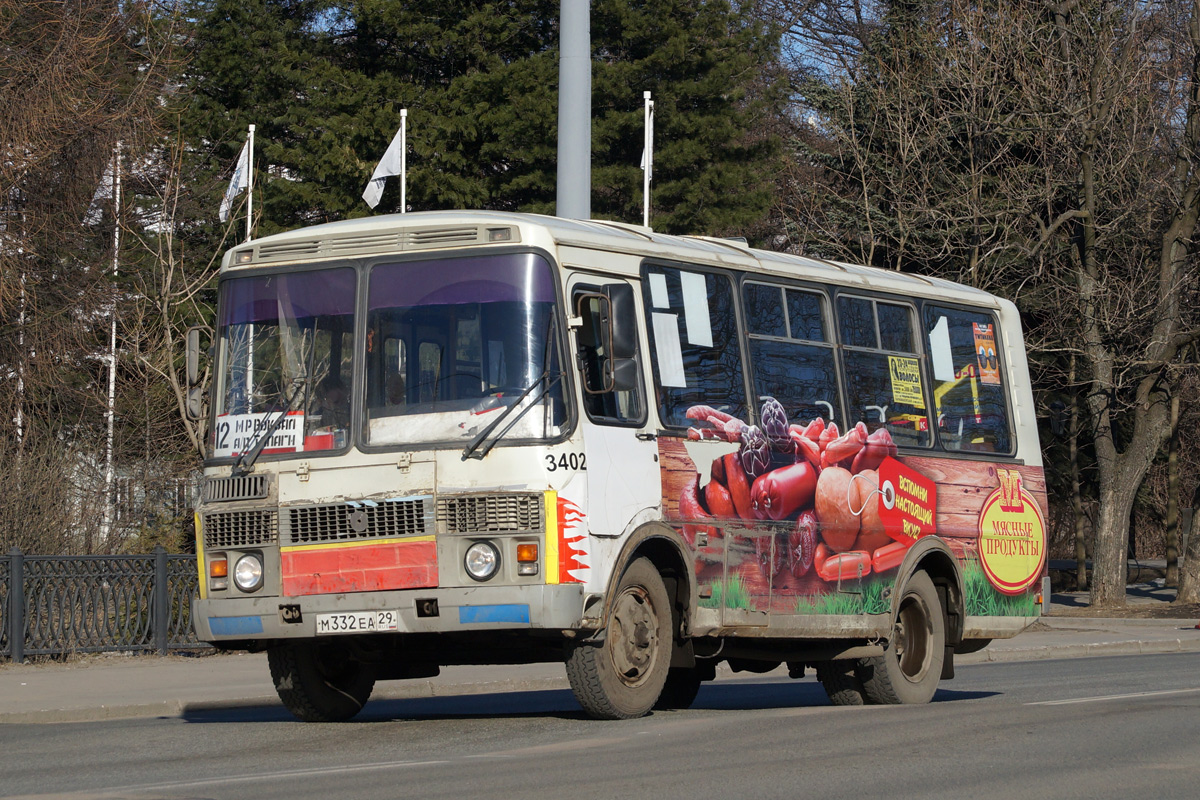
[[729, 593], [983, 600], [871, 600]]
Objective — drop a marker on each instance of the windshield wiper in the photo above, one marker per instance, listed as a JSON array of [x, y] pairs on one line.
[[246, 460], [544, 381]]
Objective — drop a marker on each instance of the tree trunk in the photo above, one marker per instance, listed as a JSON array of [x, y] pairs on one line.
[[1189, 572], [1110, 555], [1081, 570], [1171, 523]]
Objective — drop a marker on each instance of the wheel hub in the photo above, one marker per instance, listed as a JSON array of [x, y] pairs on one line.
[[634, 632], [912, 641]]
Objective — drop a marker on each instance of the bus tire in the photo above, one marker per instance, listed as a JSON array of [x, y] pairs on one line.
[[680, 690], [622, 676], [910, 668], [841, 683], [319, 683]]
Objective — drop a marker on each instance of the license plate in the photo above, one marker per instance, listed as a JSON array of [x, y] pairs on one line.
[[358, 622]]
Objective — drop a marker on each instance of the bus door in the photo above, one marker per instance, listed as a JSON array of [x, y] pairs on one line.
[[621, 457]]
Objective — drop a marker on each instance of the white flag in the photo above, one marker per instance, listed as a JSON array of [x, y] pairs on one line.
[[239, 181], [390, 164], [647, 164]]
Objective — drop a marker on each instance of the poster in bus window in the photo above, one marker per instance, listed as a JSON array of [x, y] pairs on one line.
[[985, 353], [906, 381], [806, 518]]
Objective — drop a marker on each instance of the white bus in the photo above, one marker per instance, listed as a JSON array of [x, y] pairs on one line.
[[484, 438]]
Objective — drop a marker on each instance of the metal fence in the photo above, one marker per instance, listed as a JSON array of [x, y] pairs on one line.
[[57, 605]]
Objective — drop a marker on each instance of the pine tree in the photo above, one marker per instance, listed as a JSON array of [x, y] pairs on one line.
[[325, 83]]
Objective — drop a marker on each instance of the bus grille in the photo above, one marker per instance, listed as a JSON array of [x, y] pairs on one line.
[[240, 529], [490, 513], [363, 520], [244, 487]]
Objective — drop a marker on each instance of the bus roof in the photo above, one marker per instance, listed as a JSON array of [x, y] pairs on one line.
[[425, 230]]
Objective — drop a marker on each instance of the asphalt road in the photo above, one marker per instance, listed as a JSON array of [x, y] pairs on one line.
[[1079, 728]]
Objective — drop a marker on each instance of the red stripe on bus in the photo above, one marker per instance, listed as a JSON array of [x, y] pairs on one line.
[[365, 568]]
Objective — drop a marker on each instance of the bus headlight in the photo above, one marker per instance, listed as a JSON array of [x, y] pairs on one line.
[[482, 560], [248, 573]]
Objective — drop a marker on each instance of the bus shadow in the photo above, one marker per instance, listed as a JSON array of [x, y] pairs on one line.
[[554, 703]]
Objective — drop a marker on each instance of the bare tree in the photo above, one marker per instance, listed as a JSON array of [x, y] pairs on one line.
[[1042, 151], [76, 77]]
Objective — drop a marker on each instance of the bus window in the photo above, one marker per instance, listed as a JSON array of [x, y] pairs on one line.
[[452, 341], [791, 356], [287, 345], [882, 368], [694, 338], [614, 407], [969, 393]]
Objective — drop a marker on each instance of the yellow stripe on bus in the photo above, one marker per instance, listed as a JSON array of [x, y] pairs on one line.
[[551, 559], [200, 556], [299, 548]]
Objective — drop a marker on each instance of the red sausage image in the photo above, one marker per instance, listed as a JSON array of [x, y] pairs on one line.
[[845, 566], [780, 492], [739, 487], [889, 556], [719, 501], [820, 556]]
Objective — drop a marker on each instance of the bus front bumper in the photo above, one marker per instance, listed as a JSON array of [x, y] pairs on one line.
[[442, 610]]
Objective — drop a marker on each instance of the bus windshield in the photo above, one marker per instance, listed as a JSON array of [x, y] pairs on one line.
[[452, 343], [287, 348]]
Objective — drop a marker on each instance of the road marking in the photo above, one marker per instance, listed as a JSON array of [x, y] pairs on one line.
[[1112, 697]]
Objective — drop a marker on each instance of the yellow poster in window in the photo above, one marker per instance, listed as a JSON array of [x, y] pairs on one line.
[[906, 381]]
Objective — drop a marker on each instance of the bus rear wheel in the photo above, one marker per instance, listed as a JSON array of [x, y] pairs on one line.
[[911, 667], [623, 676], [841, 682], [319, 683], [680, 690]]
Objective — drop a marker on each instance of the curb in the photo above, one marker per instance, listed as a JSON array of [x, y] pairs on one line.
[[1134, 647]]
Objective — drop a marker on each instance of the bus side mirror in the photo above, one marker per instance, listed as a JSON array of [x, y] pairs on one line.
[[194, 402], [623, 320], [193, 356], [623, 329]]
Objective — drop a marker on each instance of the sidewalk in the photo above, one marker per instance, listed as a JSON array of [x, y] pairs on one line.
[[118, 686]]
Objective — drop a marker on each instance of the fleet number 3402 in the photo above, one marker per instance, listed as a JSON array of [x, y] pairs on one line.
[[575, 461]]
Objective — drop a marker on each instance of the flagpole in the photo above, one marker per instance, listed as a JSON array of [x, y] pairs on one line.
[[403, 160], [109, 471], [648, 150], [250, 184]]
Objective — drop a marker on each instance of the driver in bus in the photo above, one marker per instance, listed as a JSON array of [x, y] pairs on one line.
[[333, 403]]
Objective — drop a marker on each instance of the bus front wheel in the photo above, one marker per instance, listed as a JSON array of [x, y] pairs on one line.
[[911, 666], [622, 676], [319, 683]]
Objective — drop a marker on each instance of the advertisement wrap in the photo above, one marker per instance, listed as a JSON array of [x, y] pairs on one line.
[[792, 518]]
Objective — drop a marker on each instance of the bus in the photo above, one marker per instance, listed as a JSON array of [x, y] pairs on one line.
[[448, 438]]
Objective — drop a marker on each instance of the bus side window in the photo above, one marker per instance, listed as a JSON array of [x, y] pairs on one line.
[[969, 394], [694, 340], [791, 355], [883, 370], [616, 405]]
